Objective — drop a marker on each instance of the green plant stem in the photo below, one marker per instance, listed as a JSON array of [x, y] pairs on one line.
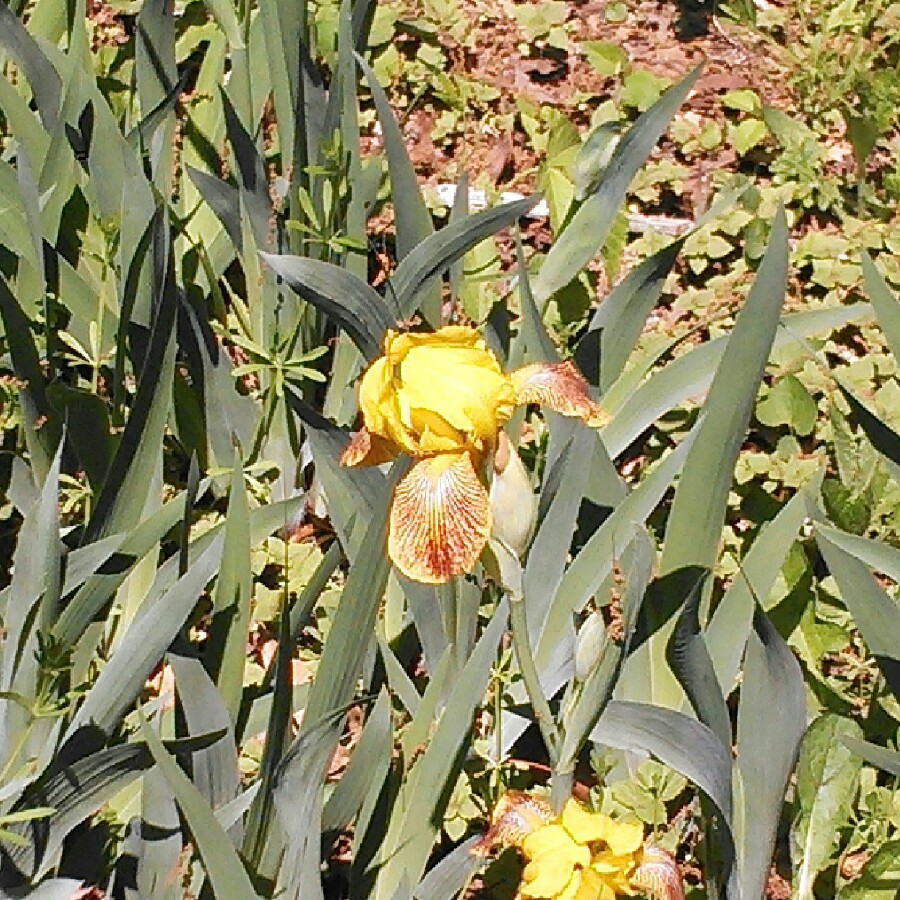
[[518, 621], [561, 786], [496, 771], [22, 739], [449, 600]]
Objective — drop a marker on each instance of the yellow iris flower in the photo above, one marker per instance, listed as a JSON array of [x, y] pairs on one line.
[[580, 855], [443, 398]]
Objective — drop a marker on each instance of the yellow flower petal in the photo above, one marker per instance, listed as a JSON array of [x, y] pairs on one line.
[[554, 861], [586, 827], [561, 388], [573, 888], [374, 396], [624, 837], [551, 880], [435, 433], [436, 393], [608, 863], [367, 449], [593, 887], [463, 384], [398, 344], [554, 840], [440, 519]]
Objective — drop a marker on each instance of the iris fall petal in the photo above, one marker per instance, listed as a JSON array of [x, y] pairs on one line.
[[560, 387], [516, 815], [440, 519], [658, 875]]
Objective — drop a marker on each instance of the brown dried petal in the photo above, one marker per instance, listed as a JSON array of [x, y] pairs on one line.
[[367, 449], [440, 519], [561, 388]]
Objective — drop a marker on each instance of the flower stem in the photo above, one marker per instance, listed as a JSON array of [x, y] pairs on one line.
[[448, 599], [518, 621], [560, 787]]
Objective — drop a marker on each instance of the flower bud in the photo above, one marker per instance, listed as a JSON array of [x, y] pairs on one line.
[[513, 504], [589, 645]]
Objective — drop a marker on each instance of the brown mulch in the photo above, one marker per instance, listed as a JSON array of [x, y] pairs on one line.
[[496, 54]]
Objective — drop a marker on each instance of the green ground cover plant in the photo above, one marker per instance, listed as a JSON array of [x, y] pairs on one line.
[[214, 682]]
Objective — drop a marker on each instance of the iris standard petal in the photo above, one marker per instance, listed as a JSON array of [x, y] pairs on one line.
[[398, 343], [554, 840], [374, 396], [464, 385], [624, 837], [585, 827], [434, 434], [549, 879]]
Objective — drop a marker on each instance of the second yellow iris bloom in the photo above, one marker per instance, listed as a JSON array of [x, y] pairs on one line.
[[443, 398], [579, 854]]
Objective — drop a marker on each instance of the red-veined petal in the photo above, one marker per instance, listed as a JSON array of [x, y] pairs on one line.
[[515, 816], [658, 875], [561, 388], [440, 519]]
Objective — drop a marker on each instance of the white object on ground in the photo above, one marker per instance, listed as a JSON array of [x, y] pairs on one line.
[[478, 200]]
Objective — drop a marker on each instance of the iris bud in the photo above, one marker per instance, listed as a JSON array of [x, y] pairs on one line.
[[513, 504], [589, 645]]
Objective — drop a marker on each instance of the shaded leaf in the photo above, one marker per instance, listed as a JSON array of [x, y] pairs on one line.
[[768, 739], [413, 219], [689, 658], [678, 740], [298, 795], [214, 769], [46, 85], [420, 806], [451, 874], [78, 789], [363, 313], [368, 766], [884, 439], [143, 645], [433, 255], [223, 866]]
